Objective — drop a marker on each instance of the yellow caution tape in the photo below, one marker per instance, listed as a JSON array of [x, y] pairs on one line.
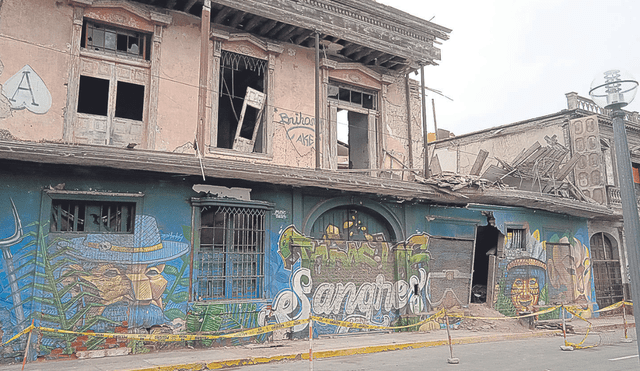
[[574, 310], [336, 322], [26, 330], [613, 306], [183, 337], [544, 311]]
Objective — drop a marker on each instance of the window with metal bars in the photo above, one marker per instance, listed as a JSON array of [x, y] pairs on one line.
[[92, 216], [516, 239], [231, 255]]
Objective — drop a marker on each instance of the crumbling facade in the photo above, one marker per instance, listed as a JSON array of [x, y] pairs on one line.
[[568, 154], [208, 166]]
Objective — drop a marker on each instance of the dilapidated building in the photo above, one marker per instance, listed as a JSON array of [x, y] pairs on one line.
[[570, 155], [174, 166]]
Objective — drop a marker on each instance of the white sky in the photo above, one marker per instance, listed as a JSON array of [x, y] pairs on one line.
[[507, 61]]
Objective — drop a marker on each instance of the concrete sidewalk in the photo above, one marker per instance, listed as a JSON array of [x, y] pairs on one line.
[[324, 347], [220, 357]]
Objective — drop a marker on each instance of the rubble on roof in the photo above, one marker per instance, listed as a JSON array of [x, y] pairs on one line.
[[539, 168]]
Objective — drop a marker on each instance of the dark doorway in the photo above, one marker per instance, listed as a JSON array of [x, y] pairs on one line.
[[486, 245]]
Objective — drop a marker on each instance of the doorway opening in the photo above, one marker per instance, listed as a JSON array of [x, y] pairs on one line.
[[353, 140], [486, 247]]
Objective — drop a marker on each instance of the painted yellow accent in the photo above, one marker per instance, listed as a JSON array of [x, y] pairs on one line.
[[100, 246]]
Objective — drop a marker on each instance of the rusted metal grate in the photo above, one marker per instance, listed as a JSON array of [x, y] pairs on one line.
[[231, 253]]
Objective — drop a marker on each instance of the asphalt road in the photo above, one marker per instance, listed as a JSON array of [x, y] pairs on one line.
[[540, 354]]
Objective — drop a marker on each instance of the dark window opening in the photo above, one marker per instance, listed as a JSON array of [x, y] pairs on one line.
[[516, 239], [353, 140], [129, 101], [114, 40], [242, 86], [231, 254], [91, 216], [486, 245], [93, 96], [636, 175]]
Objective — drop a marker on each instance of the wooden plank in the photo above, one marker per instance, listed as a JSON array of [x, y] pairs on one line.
[[568, 166], [494, 173], [524, 155], [480, 159]]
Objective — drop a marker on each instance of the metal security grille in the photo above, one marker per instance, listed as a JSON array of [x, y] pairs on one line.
[[231, 253], [91, 216], [606, 271], [516, 239]]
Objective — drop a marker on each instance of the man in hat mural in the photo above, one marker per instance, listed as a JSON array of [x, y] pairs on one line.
[[127, 271]]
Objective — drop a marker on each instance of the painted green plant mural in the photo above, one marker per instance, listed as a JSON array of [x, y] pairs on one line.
[[223, 318], [63, 299]]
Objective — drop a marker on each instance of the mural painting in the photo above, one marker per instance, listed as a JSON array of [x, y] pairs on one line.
[[97, 282], [351, 280], [555, 271]]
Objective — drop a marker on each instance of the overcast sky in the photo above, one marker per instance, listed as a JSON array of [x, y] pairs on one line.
[[508, 61]]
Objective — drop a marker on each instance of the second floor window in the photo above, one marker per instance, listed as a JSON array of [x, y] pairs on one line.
[[114, 40], [516, 239]]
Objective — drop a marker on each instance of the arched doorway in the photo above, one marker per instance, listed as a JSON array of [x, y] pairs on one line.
[[352, 223], [606, 270]]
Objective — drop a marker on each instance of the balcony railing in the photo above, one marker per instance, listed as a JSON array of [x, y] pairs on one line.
[[574, 101]]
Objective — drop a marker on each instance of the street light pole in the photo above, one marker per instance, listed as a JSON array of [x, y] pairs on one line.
[[615, 91]]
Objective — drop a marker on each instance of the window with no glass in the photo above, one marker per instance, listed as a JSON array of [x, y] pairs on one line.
[[115, 40], [241, 102], [354, 127], [92, 216], [231, 255], [93, 98]]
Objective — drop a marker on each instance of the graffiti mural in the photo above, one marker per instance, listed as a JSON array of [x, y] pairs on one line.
[[97, 282], [300, 130], [354, 280], [26, 89], [557, 270]]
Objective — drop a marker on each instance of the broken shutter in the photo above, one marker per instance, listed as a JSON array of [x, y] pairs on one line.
[[255, 99]]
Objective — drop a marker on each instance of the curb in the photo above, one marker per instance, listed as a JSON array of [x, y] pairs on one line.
[[198, 366]]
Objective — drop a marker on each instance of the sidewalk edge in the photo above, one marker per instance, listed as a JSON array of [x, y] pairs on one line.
[[198, 366]]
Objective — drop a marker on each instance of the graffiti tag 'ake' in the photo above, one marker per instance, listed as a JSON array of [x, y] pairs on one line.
[[300, 130]]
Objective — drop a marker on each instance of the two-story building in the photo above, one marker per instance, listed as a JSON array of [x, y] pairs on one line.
[[206, 166]]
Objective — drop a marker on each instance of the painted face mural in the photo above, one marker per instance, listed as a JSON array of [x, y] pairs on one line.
[[570, 269], [525, 279]]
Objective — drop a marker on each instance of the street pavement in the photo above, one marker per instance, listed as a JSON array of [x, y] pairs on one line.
[[536, 354], [350, 347]]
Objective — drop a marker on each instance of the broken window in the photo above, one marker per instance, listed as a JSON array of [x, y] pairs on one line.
[[354, 118], [516, 239], [93, 98], [241, 102], [230, 259], [92, 216], [114, 40]]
